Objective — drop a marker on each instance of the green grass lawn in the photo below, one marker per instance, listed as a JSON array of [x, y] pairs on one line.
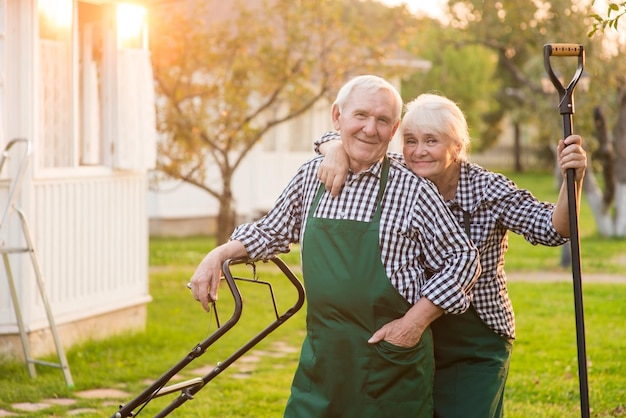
[[597, 254], [543, 380], [544, 370]]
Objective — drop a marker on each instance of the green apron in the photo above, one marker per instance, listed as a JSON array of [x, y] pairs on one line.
[[472, 364], [349, 297]]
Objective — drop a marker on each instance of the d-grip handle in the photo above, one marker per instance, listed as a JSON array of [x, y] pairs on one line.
[[564, 50], [566, 94]]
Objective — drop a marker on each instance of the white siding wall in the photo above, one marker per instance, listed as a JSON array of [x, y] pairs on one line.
[[262, 178], [91, 239], [88, 220], [3, 70]]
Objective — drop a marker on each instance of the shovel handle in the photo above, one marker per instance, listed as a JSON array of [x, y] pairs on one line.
[[566, 94], [564, 50], [566, 108]]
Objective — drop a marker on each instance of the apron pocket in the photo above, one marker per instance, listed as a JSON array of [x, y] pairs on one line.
[[399, 355], [401, 374]]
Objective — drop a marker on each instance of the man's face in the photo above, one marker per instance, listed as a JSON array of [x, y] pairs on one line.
[[366, 126]]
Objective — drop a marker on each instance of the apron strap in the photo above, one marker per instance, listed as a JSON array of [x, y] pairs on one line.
[[384, 175]]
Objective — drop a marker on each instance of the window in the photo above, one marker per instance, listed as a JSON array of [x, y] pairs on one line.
[[91, 50], [55, 37], [89, 72]]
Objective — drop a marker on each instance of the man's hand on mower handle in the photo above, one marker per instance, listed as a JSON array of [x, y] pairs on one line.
[[206, 279]]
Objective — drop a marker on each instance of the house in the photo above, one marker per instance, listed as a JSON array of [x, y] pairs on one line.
[[76, 81]]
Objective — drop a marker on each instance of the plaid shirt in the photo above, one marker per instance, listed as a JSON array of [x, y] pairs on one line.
[[495, 205], [417, 231]]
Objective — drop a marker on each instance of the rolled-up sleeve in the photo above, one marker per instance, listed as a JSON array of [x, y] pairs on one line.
[[521, 212], [279, 228]]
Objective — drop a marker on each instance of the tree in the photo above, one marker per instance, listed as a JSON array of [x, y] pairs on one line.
[[515, 32], [229, 72], [466, 75], [609, 205]]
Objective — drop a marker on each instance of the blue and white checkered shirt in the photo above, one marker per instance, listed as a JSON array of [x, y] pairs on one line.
[[417, 230]]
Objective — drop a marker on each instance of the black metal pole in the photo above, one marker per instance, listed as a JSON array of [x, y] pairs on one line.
[[566, 107], [577, 282]]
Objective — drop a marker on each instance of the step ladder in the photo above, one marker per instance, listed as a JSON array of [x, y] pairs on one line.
[[22, 161]]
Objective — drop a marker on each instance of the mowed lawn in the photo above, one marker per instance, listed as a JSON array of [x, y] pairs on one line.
[[544, 374]]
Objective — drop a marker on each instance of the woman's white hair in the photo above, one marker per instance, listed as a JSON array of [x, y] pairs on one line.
[[438, 114]]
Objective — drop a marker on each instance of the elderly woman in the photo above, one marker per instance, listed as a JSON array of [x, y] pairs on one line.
[[472, 350]]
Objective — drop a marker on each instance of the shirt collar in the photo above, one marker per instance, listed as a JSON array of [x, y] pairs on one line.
[[463, 189], [373, 170]]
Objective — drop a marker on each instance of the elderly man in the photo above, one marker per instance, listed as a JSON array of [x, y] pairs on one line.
[[368, 348]]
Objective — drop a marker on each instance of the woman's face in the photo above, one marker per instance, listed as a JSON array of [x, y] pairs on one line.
[[429, 154]]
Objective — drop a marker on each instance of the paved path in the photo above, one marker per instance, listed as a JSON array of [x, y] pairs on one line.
[[110, 399]]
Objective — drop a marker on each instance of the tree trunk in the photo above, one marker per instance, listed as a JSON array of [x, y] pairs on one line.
[[226, 215], [599, 201], [619, 143], [606, 155], [609, 207], [517, 151], [601, 212]]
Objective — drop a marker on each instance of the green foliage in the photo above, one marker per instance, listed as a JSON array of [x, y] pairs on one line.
[[465, 75], [613, 14], [513, 34]]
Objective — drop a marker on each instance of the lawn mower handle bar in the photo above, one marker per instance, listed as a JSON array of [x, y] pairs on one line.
[[190, 387]]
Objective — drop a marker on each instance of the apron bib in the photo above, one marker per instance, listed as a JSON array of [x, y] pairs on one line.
[[349, 297]]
